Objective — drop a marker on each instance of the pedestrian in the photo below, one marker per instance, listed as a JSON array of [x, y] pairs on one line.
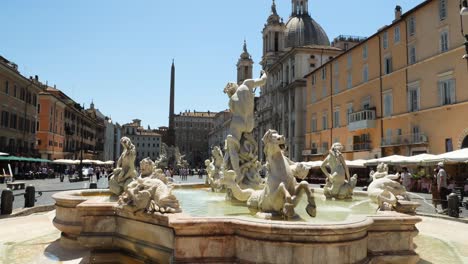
[[442, 185], [406, 179], [434, 190]]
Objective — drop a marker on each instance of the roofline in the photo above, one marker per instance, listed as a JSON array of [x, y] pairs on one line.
[[403, 16], [303, 48]]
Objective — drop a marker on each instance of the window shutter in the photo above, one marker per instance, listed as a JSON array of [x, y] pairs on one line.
[[409, 101], [452, 91], [441, 92]]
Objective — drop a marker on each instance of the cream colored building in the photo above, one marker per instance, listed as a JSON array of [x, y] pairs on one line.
[[290, 51], [147, 141], [401, 91]]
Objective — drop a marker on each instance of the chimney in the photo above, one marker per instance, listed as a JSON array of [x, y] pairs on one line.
[[36, 78], [398, 12]]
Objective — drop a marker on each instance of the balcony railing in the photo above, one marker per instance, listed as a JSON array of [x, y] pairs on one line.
[[314, 151], [409, 139], [362, 120], [361, 146]]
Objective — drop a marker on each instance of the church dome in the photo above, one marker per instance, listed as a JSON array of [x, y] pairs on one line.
[[302, 30]]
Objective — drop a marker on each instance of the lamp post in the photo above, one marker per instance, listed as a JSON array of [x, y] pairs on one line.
[[464, 13]]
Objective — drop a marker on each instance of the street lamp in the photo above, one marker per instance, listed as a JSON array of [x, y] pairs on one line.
[[463, 13]]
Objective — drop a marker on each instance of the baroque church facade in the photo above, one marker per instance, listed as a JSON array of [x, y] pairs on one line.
[[291, 50]]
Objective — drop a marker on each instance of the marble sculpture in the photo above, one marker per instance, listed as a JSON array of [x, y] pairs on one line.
[[339, 184], [125, 171], [241, 148], [214, 169], [281, 192], [385, 191]]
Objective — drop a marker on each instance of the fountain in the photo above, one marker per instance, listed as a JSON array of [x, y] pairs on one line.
[[147, 219]]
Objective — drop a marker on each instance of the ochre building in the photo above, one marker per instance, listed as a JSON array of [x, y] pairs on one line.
[[401, 91]]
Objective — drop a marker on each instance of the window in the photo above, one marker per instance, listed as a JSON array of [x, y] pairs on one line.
[[336, 68], [349, 81], [364, 52], [388, 136], [276, 41], [447, 92], [349, 61], [15, 91], [336, 118], [324, 91], [325, 121], [13, 121], [388, 65], [385, 40], [336, 85], [366, 103], [7, 87], [313, 124], [412, 26], [324, 146], [349, 111], [365, 73], [413, 99], [388, 104], [346, 46], [5, 118], [313, 79], [396, 36], [444, 41], [412, 54], [313, 95], [324, 73], [442, 9]]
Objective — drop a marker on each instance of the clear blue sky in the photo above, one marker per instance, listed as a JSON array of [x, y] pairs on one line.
[[119, 52]]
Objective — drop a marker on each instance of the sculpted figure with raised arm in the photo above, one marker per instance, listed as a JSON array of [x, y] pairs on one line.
[[240, 155]]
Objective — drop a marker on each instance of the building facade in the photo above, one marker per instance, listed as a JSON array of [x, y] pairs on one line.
[[220, 130], [191, 135], [147, 141], [290, 51], [401, 91], [51, 125], [18, 108], [65, 129]]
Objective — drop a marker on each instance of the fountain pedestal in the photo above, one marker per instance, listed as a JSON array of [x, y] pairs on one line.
[[90, 219]]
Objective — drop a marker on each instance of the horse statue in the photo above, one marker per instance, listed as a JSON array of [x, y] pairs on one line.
[[281, 193]]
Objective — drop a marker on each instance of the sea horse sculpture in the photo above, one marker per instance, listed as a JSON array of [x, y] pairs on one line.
[[281, 193], [338, 185]]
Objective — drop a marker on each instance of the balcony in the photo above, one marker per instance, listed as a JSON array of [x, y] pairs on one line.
[[314, 151], [362, 120], [410, 139], [361, 146]]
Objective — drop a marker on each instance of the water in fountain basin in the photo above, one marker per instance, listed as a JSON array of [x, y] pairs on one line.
[[204, 203], [422, 198]]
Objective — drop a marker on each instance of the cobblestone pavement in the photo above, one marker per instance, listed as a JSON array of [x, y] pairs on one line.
[[51, 186]]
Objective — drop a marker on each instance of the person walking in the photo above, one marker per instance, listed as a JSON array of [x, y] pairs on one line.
[[442, 185], [406, 179]]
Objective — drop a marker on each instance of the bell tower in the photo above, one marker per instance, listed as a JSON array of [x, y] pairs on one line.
[[244, 65], [273, 38]]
